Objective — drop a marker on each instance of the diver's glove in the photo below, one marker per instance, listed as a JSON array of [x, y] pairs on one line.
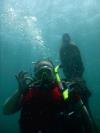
[[23, 81]]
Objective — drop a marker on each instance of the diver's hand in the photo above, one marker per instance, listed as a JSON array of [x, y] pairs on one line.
[[22, 81]]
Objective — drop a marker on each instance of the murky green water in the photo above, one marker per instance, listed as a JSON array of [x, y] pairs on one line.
[[31, 30]]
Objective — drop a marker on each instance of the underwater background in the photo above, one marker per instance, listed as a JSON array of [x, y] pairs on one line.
[[32, 29]]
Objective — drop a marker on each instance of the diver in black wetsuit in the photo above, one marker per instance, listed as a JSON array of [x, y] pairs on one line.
[[47, 104]]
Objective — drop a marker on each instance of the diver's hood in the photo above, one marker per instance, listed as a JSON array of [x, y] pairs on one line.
[[43, 65], [44, 71]]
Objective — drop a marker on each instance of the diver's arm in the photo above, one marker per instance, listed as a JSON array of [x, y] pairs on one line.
[[13, 103]]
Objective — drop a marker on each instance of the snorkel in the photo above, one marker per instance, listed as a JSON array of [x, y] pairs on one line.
[[64, 91]]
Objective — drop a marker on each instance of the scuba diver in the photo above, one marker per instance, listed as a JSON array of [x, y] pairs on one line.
[[48, 104]]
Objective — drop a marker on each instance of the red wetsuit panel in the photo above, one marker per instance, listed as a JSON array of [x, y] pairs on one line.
[[54, 93], [40, 109]]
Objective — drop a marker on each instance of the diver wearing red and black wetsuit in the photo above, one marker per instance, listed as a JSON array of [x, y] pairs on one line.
[[44, 109], [47, 105]]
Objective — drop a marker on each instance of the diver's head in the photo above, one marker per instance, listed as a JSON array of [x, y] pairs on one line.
[[66, 38], [44, 71]]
